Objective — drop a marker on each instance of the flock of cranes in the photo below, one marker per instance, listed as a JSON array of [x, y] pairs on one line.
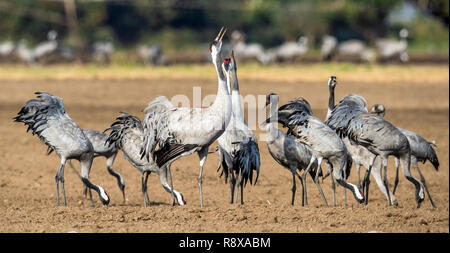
[[350, 134], [101, 51]]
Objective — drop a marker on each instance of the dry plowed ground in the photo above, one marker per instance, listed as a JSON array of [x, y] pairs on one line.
[[416, 98]]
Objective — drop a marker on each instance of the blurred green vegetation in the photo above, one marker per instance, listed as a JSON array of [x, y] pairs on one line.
[[179, 25]]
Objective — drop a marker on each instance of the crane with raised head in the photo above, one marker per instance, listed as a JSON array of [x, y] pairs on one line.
[[181, 131], [238, 145]]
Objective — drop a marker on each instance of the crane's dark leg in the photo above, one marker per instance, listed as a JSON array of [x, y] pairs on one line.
[[144, 179], [232, 184], [59, 178], [316, 180], [202, 154], [169, 172], [405, 161], [385, 181], [311, 162], [345, 188], [366, 180], [303, 192], [422, 179], [358, 169], [340, 179], [294, 188], [119, 178], [333, 187], [397, 164], [238, 185], [146, 186], [86, 163], [242, 189], [143, 187]]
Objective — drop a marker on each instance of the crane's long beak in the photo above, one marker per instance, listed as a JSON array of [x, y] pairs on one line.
[[222, 32]]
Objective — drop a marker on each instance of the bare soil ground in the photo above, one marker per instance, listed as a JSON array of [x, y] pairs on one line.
[[416, 99]]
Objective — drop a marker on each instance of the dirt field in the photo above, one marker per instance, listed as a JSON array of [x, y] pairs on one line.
[[416, 98]]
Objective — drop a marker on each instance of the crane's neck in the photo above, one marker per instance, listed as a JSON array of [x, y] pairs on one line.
[[217, 61], [222, 103], [236, 99], [271, 128], [330, 101], [222, 89]]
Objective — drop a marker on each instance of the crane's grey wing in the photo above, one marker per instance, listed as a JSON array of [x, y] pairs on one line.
[[293, 113], [421, 148], [124, 126], [156, 124], [99, 141], [47, 118]]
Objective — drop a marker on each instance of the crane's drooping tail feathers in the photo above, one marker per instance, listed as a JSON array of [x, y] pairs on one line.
[[348, 166], [344, 113], [432, 157], [36, 112], [120, 127], [248, 160], [292, 113], [156, 124]]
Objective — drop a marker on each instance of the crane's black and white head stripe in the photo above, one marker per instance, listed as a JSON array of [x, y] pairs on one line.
[[271, 97], [332, 82], [378, 109]]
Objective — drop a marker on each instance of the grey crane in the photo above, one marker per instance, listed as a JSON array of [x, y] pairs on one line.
[[350, 118], [248, 51], [181, 131], [46, 47], [25, 53], [6, 50], [391, 49], [50, 122], [102, 51], [151, 55], [353, 48], [290, 50], [421, 151], [324, 143], [291, 154], [238, 145], [359, 154], [127, 134]]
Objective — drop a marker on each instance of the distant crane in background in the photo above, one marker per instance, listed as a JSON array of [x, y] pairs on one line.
[[350, 49], [151, 55], [390, 49]]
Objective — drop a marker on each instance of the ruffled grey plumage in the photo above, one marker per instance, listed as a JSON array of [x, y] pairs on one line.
[[127, 134], [47, 118]]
